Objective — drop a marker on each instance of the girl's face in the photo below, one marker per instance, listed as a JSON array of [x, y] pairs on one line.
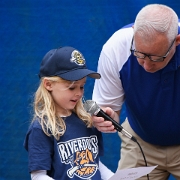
[[66, 94]]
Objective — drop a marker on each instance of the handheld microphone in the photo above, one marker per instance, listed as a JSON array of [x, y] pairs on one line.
[[92, 108]]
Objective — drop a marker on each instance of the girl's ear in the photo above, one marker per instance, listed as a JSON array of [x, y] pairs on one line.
[[47, 84]]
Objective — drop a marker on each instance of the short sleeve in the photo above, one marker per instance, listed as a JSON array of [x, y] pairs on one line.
[[40, 149]]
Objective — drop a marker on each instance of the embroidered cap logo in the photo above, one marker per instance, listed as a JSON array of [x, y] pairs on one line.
[[77, 57]]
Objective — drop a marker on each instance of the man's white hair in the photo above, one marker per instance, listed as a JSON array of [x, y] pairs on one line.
[[155, 19]]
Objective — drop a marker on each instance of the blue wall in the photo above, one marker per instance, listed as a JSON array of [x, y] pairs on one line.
[[30, 28]]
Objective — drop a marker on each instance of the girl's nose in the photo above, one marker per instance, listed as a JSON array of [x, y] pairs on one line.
[[79, 92]]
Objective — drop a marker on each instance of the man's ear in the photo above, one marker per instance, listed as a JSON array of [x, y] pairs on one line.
[[47, 84], [177, 39]]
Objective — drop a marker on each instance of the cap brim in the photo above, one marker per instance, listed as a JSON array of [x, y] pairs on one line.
[[79, 74]]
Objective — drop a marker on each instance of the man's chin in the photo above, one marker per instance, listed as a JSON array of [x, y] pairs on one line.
[[151, 70]]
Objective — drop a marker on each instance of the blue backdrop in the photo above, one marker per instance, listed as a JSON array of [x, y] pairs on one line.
[[30, 28]]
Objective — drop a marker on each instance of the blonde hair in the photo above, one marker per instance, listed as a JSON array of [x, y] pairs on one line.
[[156, 19], [44, 108]]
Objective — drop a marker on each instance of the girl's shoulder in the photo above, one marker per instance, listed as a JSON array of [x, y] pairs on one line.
[[35, 123]]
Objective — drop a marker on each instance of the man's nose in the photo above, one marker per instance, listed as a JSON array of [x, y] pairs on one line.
[[147, 63]]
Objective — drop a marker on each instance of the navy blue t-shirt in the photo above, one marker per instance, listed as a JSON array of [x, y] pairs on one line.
[[74, 156]]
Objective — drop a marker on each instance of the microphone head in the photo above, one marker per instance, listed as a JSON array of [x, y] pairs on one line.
[[91, 107]]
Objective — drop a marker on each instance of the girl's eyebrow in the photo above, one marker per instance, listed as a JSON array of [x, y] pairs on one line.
[[75, 82]]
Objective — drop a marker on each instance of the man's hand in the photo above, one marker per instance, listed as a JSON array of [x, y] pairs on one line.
[[106, 126]]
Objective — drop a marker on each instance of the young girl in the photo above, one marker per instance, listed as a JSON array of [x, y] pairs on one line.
[[61, 142]]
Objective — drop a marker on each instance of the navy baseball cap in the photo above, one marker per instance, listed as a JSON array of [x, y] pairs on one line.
[[67, 63]]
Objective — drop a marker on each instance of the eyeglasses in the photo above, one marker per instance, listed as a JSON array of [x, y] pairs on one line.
[[153, 58]]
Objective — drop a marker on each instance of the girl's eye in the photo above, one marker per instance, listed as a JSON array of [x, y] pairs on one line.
[[71, 88]]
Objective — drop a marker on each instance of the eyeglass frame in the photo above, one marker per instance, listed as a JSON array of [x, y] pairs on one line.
[[149, 56]]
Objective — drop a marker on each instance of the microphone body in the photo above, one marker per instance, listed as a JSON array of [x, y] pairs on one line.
[[92, 108]]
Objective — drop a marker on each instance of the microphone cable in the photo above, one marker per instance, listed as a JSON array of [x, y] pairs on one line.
[[124, 132], [142, 155]]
